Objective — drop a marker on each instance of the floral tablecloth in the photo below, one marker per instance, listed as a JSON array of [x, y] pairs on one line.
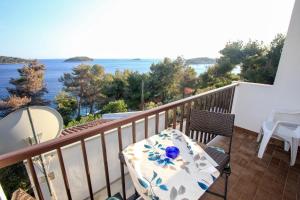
[[155, 176]]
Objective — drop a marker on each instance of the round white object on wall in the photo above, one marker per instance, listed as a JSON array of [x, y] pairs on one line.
[[16, 129]]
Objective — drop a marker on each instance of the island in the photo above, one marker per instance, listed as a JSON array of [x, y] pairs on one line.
[[200, 60], [13, 60], [78, 59]]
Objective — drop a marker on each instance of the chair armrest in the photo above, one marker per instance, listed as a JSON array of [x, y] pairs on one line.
[[286, 111], [285, 123], [281, 111]]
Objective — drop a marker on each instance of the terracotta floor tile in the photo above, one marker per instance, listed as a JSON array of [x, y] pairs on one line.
[[262, 195]]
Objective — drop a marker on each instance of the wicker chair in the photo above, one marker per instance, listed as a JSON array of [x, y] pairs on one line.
[[204, 126]]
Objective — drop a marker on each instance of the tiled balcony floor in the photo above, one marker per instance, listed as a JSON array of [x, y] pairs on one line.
[[253, 178]]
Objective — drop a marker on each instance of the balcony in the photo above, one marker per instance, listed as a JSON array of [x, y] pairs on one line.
[[84, 163]]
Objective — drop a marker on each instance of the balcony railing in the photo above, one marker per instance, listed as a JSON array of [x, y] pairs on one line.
[[175, 114]]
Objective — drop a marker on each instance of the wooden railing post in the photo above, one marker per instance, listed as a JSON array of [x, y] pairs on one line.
[[166, 119], [104, 153], [156, 123], [35, 179], [63, 171], [146, 127], [187, 124], [133, 132], [174, 117], [181, 116], [121, 164], [87, 169], [231, 99]]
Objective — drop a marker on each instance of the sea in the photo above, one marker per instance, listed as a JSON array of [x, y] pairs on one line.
[[55, 68]]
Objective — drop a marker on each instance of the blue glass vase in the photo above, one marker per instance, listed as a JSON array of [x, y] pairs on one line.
[[172, 152]]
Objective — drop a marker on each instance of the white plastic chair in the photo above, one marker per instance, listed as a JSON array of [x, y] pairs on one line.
[[284, 125]]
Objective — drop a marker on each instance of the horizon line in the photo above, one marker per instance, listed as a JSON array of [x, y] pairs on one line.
[[127, 58]]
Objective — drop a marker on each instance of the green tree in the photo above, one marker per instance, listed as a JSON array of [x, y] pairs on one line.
[[107, 86], [257, 61], [260, 66], [28, 89], [66, 105], [115, 107], [188, 79], [253, 48], [84, 83], [165, 82], [133, 92], [254, 62], [232, 51], [165, 79], [75, 83], [116, 84], [275, 51], [149, 105], [30, 83], [220, 74], [83, 120], [93, 92]]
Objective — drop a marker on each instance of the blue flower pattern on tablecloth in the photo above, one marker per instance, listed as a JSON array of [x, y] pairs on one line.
[[164, 136], [155, 155], [151, 184]]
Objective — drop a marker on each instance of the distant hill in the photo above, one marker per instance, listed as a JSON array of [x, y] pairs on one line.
[[200, 60], [13, 60], [78, 59]]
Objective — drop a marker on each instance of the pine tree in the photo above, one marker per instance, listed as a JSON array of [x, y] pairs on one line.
[[84, 83], [28, 89]]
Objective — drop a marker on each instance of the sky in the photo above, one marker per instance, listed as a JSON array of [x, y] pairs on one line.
[[136, 28]]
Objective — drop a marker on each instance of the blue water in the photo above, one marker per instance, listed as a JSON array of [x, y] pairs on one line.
[[55, 68]]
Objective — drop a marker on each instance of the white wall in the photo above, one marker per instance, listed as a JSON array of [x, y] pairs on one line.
[[74, 164], [251, 106], [253, 102]]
